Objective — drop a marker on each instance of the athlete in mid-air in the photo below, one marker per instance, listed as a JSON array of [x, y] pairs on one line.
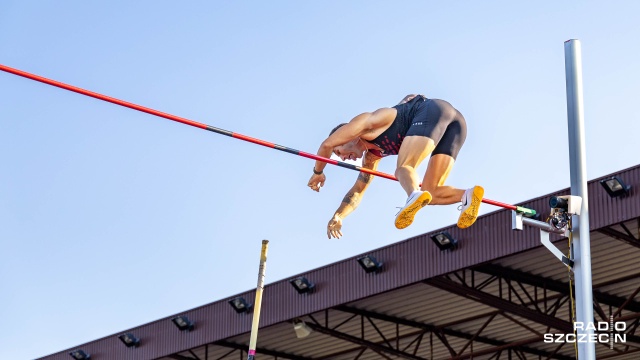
[[413, 129]]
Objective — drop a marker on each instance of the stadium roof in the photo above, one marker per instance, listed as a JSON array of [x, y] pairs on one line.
[[493, 297]]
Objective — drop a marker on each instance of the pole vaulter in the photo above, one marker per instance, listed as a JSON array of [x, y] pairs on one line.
[[525, 211]]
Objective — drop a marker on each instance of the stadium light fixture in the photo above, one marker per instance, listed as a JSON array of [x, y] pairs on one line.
[[302, 285], [240, 305], [301, 328], [615, 187], [370, 264], [445, 241], [80, 355], [129, 340], [183, 323]]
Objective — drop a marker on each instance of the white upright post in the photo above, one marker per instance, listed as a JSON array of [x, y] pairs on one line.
[[578, 168]]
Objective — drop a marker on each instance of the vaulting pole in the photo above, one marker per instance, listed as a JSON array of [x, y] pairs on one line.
[[253, 339], [525, 211]]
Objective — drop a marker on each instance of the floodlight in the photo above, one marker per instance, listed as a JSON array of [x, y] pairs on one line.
[[301, 329], [370, 264], [80, 355], [302, 285], [615, 187], [444, 241], [129, 340], [240, 305], [183, 323]]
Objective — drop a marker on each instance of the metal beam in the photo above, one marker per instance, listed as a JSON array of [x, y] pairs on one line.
[[620, 236], [180, 357], [508, 306], [553, 285], [411, 323], [263, 351], [501, 348], [446, 331], [360, 349], [356, 340], [613, 356]]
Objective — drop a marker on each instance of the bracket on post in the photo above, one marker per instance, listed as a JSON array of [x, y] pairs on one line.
[[518, 221], [544, 239]]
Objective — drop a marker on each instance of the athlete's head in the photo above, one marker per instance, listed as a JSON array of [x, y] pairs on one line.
[[352, 150]]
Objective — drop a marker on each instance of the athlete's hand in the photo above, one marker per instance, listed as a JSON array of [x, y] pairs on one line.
[[334, 227], [316, 182]]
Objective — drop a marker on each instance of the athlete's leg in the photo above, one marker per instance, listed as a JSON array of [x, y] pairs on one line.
[[427, 127], [413, 151], [444, 156], [440, 165], [438, 170]]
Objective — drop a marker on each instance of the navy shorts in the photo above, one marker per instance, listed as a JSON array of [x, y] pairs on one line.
[[441, 122]]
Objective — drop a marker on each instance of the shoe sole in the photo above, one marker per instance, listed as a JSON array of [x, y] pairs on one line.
[[406, 215], [470, 214]]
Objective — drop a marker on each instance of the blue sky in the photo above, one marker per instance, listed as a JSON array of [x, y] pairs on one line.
[[112, 218]]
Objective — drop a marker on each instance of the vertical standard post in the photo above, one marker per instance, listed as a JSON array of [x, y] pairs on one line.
[[258, 302], [578, 169]]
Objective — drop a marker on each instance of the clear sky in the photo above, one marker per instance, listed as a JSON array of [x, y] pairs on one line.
[[111, 218]]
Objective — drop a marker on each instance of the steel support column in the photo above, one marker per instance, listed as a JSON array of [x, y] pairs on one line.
[[578, 171]]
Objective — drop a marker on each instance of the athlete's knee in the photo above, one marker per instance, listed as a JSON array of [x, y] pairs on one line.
[[404, 169]]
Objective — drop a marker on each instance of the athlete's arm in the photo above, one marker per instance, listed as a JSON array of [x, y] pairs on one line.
[[359, 126], [351, 201]]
